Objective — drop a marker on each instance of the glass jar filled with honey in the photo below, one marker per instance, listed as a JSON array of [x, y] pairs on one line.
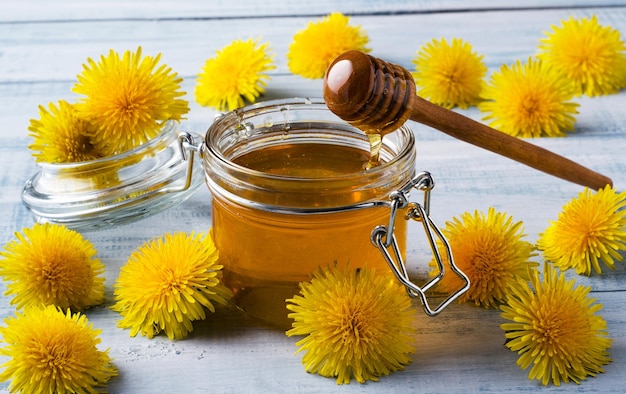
[[292, 191]]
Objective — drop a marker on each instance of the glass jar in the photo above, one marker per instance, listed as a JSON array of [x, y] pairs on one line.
[[290, 194], [115, 189]]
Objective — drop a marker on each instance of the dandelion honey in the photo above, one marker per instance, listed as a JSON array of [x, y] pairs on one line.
[[292, 191]]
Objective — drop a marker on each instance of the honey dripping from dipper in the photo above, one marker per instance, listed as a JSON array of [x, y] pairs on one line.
[[376, 141], [387, 86]]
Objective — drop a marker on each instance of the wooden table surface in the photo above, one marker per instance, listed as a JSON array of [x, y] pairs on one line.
[[43, 45]]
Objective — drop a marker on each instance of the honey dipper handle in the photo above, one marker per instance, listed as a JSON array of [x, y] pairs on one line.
[[475, 133]]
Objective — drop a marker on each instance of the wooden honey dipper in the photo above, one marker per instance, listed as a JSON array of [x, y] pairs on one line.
[[378, 97]]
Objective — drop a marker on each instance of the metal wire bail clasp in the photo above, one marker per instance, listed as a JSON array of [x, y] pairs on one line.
[[383, 238], [187, 148]]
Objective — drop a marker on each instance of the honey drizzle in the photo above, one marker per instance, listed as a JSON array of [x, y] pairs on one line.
[[376, 142]]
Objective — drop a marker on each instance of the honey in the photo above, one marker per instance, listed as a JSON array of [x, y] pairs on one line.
[[291, 192], [376, 141], [267, 253]]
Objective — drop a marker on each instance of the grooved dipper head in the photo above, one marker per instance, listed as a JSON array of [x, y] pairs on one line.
[[368, 93]]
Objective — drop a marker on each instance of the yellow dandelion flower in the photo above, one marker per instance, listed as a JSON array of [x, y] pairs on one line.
[[491, 251], [237, 72], [316, 46], [591, 228], [357, 323], [53, 352], [128, 98], [591, 55], [166, 284], [449, 75], [52, 265], [62, 136], [553, 325], [529, 100]]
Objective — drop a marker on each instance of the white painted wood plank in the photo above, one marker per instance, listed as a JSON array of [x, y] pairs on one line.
[[40, 10], [56, 51]]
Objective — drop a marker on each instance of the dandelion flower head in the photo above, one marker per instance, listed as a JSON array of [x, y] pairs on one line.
[[356, 322], [128, 98], [50, 264], [529, 100], [449, 74], [592, 56], [166, 284], [61, 136], [553, 325], [237, 72], [314, 48], [491, 251], [591, 228], [50, 351]]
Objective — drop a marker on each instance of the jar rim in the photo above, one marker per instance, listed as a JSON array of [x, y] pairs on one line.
[[244, 112]]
